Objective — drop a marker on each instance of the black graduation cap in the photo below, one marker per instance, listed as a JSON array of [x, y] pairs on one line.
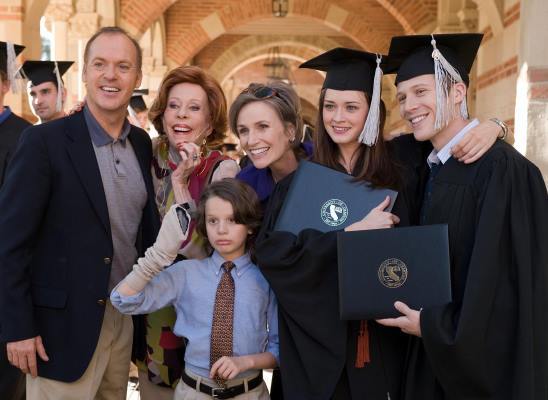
[[411, 56], [449, 57], [39, 72], [350, 69], [347, 69], [137, 103]]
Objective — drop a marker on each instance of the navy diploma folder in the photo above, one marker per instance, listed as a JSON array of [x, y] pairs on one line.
[[324, 199], [378, 267]]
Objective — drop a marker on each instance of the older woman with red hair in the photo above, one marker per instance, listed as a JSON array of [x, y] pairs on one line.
[[189, 114]]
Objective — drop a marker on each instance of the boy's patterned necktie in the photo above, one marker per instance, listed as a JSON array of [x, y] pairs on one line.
[[223, 317]]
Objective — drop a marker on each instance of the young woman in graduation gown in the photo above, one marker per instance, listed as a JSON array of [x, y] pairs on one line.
[[323, 357]]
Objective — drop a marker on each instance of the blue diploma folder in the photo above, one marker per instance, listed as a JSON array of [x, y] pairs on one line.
[[324, 199]]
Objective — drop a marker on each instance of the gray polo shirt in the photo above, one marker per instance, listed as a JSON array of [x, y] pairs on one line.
[[125, 193]]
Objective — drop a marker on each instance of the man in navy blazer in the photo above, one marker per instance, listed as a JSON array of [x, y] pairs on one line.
[[77, 209]]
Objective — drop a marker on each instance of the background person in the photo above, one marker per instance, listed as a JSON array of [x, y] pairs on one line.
[[11, 125], [138, 110], [12, 383], [45, 88]]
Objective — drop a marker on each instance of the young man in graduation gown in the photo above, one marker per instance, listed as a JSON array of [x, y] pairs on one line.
[[11, 125], [45, 88], [490, 342]]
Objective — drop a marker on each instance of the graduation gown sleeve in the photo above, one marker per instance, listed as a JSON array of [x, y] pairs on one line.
[[10, 131], [491, 341]]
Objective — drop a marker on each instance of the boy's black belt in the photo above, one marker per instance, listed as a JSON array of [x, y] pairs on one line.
[[223, 393]]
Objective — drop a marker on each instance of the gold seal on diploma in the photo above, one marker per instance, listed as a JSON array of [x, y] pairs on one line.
[[392, 273]]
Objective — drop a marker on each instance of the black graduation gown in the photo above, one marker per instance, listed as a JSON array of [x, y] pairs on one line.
[[491, 341], [315, 345], [10, 130]]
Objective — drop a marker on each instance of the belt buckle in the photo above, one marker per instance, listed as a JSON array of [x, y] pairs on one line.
[[218, 392]]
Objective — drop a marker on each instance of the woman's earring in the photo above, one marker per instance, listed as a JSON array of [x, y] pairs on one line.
[[203, 148], [292, 140]]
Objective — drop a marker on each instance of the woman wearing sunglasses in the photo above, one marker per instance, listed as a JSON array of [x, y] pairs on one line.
[[322, 357], [190, 116]]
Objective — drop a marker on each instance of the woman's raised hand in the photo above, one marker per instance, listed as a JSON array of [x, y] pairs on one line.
[[476, 142], [376, 219], [190, 159], [77, 107]]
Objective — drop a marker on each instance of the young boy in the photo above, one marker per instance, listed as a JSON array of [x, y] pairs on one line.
[[490, 341], [225, 308]]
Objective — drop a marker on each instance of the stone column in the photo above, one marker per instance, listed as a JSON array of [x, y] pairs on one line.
[[82, 26], [154, 69], [57, 14], [531, 128], [456, 16]]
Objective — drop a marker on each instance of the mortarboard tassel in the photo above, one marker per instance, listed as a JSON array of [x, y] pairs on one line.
[[14, 75], [59, 103], [370, 131], [446, 75], [362, 346]]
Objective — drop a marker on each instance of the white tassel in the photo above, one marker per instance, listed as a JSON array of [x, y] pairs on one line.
[[464, 109], [446, 75], [59, 103], [370, 132], [12, 69]]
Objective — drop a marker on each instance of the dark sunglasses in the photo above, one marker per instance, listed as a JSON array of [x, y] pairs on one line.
[[264, 92]]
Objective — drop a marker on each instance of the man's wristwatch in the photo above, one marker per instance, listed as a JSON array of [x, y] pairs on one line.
[[183, 214], [502, 125]]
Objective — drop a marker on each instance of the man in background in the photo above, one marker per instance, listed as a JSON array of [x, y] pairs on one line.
[[45, 88]]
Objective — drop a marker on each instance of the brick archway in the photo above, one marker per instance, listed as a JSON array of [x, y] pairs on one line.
[[412, 15], [303, 47], [368, 30], [136, 16], [190, 26]]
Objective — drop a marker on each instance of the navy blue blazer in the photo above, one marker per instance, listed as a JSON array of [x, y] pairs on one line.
[[56, 245]]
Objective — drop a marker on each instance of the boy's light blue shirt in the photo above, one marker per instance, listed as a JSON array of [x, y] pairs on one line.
[[190, 286]]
